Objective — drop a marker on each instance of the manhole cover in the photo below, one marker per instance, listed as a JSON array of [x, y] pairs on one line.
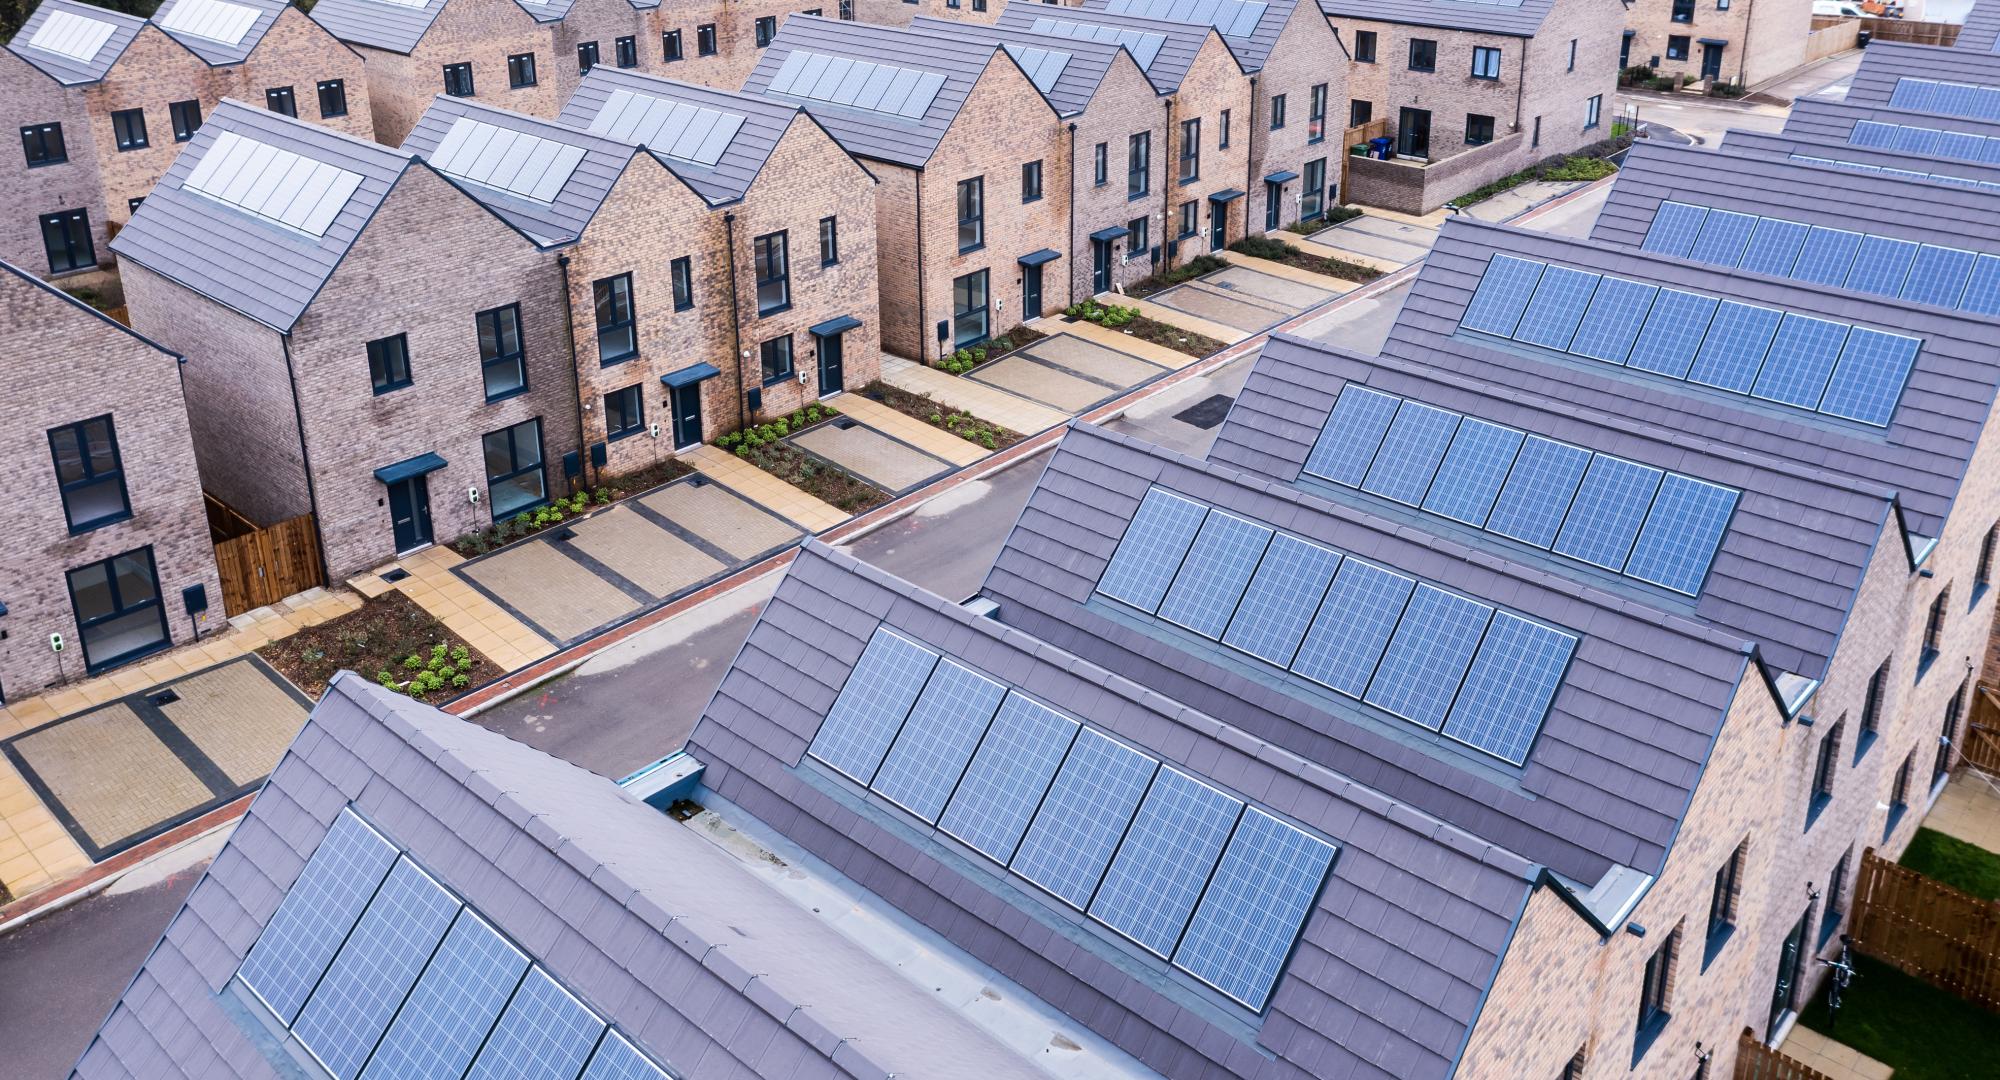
[[1207, 412], [844, 424], [395, 575], [698, 481], [164, 697], [565, 534]]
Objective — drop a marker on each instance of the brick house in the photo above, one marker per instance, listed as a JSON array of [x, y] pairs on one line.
[[971, 168], [743, 284], [104, 101], [1717, 40], [105, 491], [327, 372], [904, 12]]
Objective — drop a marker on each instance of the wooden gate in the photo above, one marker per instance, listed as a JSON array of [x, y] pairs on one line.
[[1755, 1061], [1928, 929], [267, 565]]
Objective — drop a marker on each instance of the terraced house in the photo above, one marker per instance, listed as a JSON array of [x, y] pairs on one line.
[[104, 101], [707, 286], [111, 560], [328, 371], [1727, 41]]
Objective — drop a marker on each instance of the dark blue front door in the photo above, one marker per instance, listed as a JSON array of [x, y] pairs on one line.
[[410, 512]]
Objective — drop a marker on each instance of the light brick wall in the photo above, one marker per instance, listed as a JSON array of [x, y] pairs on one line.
[[299, 53], [154, 71], [65, 364], [604, 22], [1557, 92], [1307, 53], [735, 25], [1765, 39], [1125, 105], [906, 326], [28, 97], [483, 33], [1214, 82]]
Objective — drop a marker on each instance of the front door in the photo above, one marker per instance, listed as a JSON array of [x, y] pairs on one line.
[[410, 512], [1413, 134], [1100, 266], [1218, 224], [832, 376], [1711, 60], [1031, 292], [1272, 207], [687, 414], [1791, 956]]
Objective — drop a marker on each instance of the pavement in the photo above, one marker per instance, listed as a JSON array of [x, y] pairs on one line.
[[1968, 810], [1244, 299]]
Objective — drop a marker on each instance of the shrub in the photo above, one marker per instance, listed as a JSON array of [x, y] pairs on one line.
[[443, 665], [1663, 82], [1110, 316], [1264, 247]]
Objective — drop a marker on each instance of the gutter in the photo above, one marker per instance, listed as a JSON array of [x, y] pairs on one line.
[[575, 372], [923, 312], [736, 322], [1250, 159], [305, 454], [1070, 293]]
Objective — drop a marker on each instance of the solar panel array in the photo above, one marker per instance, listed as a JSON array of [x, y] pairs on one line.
[[1922, 273], [66, 33], [1907, 174], [1819, 365], [1154, 854], [1656, 526], [1044, 66], [1233, 18], [513, 161], [1477, 674], [214, 20], [381, 973], [676, 129], [1946, 98], [277, 185], [1930, 142], [1143, 45], [882, 88]]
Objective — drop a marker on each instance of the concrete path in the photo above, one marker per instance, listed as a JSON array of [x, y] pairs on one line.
[[1968, 810], [1228, 335], [1837, 1061], [1374, 240], [882, 460], [929, 438], [994, 406], [1073, 371]]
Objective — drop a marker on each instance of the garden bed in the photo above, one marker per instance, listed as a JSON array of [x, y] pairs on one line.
[[1127, 320], [529, 522], [379, 639], [763, 446], [1278, 251], [1167, 279], [939, 415], [1325, 221], [992, 349], [1583, 166]]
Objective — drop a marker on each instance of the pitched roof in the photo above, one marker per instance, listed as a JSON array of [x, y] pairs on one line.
[[629, 106], [1925, 137], [1083, 62], [313, 188], [1617, 756], [218, 31], [1921, 454], [377, 24], [1250, 26], [1841, 154], [1393, 963], [1981, 32], [74, 43], [1174, 44], [1881, 70], [501, 157], [1508, 18], [1785, 573], [56, 294]]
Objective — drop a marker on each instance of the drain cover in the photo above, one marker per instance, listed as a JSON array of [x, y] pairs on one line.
[[1207, 412], [844, 423], [395, 575], [565, 534], [164, 697], [698, 480]]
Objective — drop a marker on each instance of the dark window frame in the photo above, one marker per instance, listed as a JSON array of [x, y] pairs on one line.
[[331, 92], [1834, 912], [1826, 770], [1933, 638], [1138, 165], [1724, 902], [971, 203], [119, 610], [625, 51], [493, 479], [178, 115], [1189, 212], [1316, 114], [1682, 11], [1899, 794], [283, 100], [776, 364], [521, 72], [382, 375], [1277, 112], [1100, 164], [670, 47], [1593, 111], [1471, 138], [1222, 130], [1486, 60], [75, 227], [1364, 46], [704, 39], [1359, 112], [1656, 985], [517, 357], [607, 297], [771, 263], [1678, 46], [1139, 242], [458, 80], [1031, 181], [764, 30], [128, 130], [1188, 162], [1423, 54], [829, 240], [630, 403], [681, 272], [1872, 702], [43, 145], [1982, 572], [983, 310], [89, 477], [588, 56]]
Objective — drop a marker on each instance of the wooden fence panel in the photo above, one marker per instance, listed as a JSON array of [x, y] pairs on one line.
[[1755, 1061], [1980, 748], [268, 565], [1928, 929]]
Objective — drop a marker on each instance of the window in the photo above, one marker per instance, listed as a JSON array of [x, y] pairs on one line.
[[1899, 794], [704, 39], [1189, 219], [332, 98], [1478, 130], [847, 10], [458, 80], [1139, 165], [775, 359], [132, 205], [1592, 111], [1190, 150], [1140, 241], [624, 412], [281, 100], [1031, 181], [389, 363], [66, 235], [1360, 112], [1485, 62], [1684, 11], [1423, 54], [774, 272], [625, 52], [979, 5], [1954, 710], [1836, 883], [1537, 139], [501, 360], [1364, 46], [617, 330], [968, 310], [520, 71], [829, 241], [1222, 131], [129, 127], [586, 56], [514, 480], [1933, 632], [766, 29], [1871, 710], [1574, 1069], [1277, 112], [1312, 191], [1100, 164], [1823, 773], [1722, 901], [971, 214], [1654, 987], [89, 474], [1722, 5], [186, 118], [1572, 55], [1982, 575], [683, 274], [670, 46], [1677, 47], [1316, 114], [44, 145], [119, 616]]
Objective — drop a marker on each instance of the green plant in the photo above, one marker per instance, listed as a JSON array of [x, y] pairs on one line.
[[432, 670], [1110, 316], [962, 361], [1663, 82], [1726, 90], [1264, 247]]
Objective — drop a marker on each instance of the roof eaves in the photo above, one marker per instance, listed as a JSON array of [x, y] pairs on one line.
[[81, 306]]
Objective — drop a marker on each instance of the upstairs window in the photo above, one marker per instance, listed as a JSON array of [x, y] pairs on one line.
[[1100, 164], [1824, 768], [1139, 164], [1364, 46], [829, 241], [1982, 575], [186, 117], [670, 46], [1722, 900], [683, 275], [1222, 131], [626, 49], [502, 362], [617, 330], [1190, 150], [766, 29], [89, 474], [1423, 54], [520, 71], [774, 273], [1031, 181], [281, 100], [586, 56], [1871, 710], [1277, 112], [1836, 909], [704, 39], [332, 98], [1656, 985], [128, 127], [1485, 62], [458, 80], [1683, 11], [971, 214], [1933, 631], [1316, 115], [389, 363], [43, 144]]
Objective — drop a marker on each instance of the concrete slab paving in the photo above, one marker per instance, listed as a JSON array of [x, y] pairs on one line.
[[1245, 313], [722, 518], [641, 552], [1278, 290], [109, 775], [1094, 361], [549, 589], [893, 466], [236, 715], [1020, 374], [1517, 201], [1396, 242], [1968, 810]]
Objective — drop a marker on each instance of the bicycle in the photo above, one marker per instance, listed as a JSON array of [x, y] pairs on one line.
[[1843, 973]]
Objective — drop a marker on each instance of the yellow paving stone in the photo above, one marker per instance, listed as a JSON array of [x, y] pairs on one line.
[[1290, 273], [761, 487], [22, 874], [909, 429], [222, 649], [99, 691], [132, 680], [1228, 335], [65, 702], [1131, 345], [986, 402], [10, 724], [34, 712], [159, 671]]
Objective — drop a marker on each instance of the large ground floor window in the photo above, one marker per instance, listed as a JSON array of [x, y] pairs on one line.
[[515, 479], [118, 611], [969, 310], [1312, 191]]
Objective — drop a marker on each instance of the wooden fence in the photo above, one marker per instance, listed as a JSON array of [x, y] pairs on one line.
[[267, 565], [1915, 31], [1360, 133], [1928, 929], [1755, 1061], [1837, 36], [1980, 745]]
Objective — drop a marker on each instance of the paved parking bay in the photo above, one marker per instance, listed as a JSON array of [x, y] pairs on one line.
[[1067, 372], [890, 464], [1249, 300], [1382, 239]]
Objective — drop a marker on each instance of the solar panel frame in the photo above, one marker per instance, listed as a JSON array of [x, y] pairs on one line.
[[1800, 361], [1774, 248], [294, 948], [1410, 452], [1538, 491], [1281, 599], [1505, 288], [1249, 919], [1611, 503], [1353, 626], [1725, 234], [1003, 785], [1881, 266], [1474, 469], [1868, 380], [1982, 287], [1155, 879], [617, 1059], [453, 1005], [545, 1032], [1611, 324], [1682, 532], [1351, 435], [1510, 687], [1149, 555], [1733, 351], [1083, 817], [1672, 332], [1560, 299], [1827, 256], [1673, 229], [1212, 577], [879, 692], [1939, 275], [1426, 659], [936, 742]]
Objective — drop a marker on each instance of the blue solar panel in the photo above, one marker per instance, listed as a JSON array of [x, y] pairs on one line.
[[1503, 294], [1673, 331], [1956, 144], [1560, 300], [545, 1034], [1735, 346], [1982, 292], [863, 722], [1801, 361], [1353, 626], [1353, 429], [1507, 693], [1723, 237], [1085, 815], [1473, 470], [453, 1006], [1281, 599], [618, 1059], [1871, 133], [1938, 276], [1150, 553], [1611, 503], [1538, 491], [1254, 909], [374, 970], [1869, 379], [1410, 453], [1827, 256], [1915, 95], [1217, 569], [316, 915], [938, 739], [1174, 842], [1881, 266], [1612, 321], [1677, 544], [1012, 768], [1774, 247], [1426, 660], [1674, 228]]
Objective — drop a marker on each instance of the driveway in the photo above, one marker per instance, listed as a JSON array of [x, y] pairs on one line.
[[1378, 239], [1249, 300], [881, 459], [1068, 373]]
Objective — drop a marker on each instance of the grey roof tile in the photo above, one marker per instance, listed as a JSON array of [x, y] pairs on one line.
[[1981, 32], [1520, 18], [1074, 88], [378, 24], [66, 53], [1181, 43], [1252, 44], [1874, 83]]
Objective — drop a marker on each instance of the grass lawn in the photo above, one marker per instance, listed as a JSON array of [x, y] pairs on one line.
[[1963, 866], [1920, 1031]]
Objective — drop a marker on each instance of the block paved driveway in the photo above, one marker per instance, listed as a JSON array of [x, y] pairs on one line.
[[571, 582], [1249, 300], [873, 455], [1378, 240], [1068, 373]]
